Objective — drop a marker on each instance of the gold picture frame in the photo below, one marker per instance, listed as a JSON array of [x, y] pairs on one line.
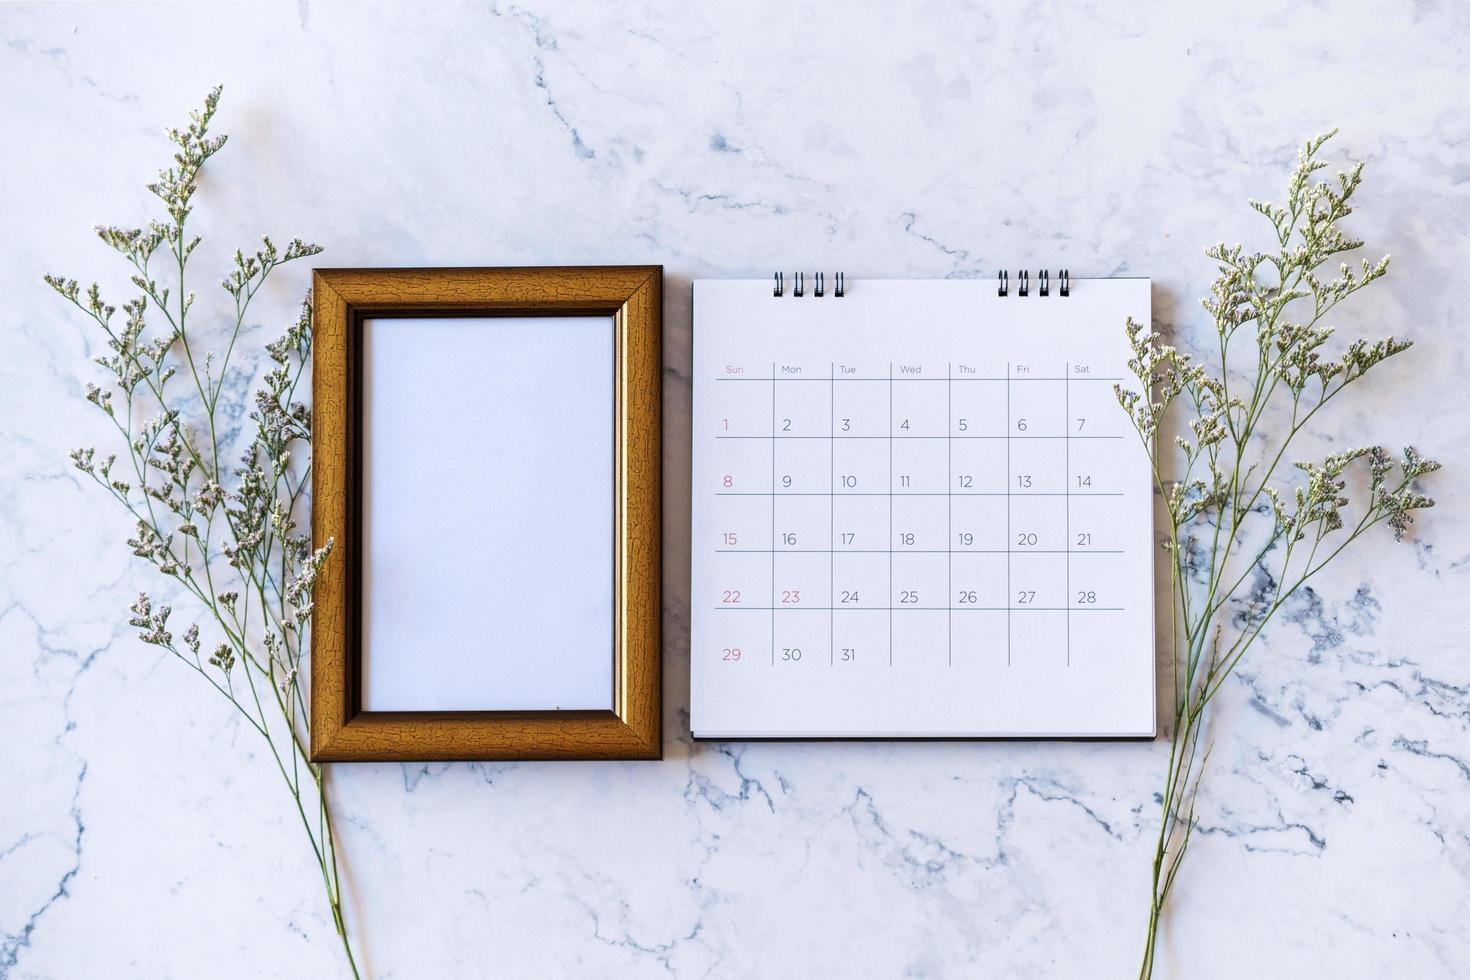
[[343, 299]]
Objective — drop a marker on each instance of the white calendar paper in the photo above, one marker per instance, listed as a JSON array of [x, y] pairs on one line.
[[918, 512]]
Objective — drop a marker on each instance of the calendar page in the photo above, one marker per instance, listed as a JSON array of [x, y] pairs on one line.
[[918, 512]]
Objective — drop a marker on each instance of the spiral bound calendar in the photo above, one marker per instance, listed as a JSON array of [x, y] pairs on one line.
[[918, 510]]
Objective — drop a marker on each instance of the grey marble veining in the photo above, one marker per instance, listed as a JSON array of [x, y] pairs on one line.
[[141, 833]]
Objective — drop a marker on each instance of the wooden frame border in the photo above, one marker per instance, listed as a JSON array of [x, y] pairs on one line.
[[342, 298]]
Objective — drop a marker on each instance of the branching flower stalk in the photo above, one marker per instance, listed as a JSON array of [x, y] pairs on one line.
[[225, 534], [1243, 534]]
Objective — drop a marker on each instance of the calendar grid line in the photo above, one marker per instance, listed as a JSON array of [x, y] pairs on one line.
[[831, 509], [890, 512], [910, 608], [773, 514], [949, 507], [1008, 512], [910, 436], [917, 551], [1067, 503], [721, 377], [915, 493]]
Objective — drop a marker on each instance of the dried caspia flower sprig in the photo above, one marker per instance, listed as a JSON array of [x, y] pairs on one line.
[[225, 535], [1235, 516]]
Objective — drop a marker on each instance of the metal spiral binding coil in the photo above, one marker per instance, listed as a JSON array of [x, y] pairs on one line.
[[819, 284], [1043, 283]]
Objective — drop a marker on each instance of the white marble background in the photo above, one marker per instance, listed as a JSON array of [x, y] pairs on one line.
[[142, 836]]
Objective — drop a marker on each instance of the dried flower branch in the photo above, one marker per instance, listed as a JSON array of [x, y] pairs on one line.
[[1234, 515], [227, 536]]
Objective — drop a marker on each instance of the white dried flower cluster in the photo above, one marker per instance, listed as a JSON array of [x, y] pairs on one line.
[[1232, 570], [1164, 371], [151, 623], [224, 535], [298, 592]]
